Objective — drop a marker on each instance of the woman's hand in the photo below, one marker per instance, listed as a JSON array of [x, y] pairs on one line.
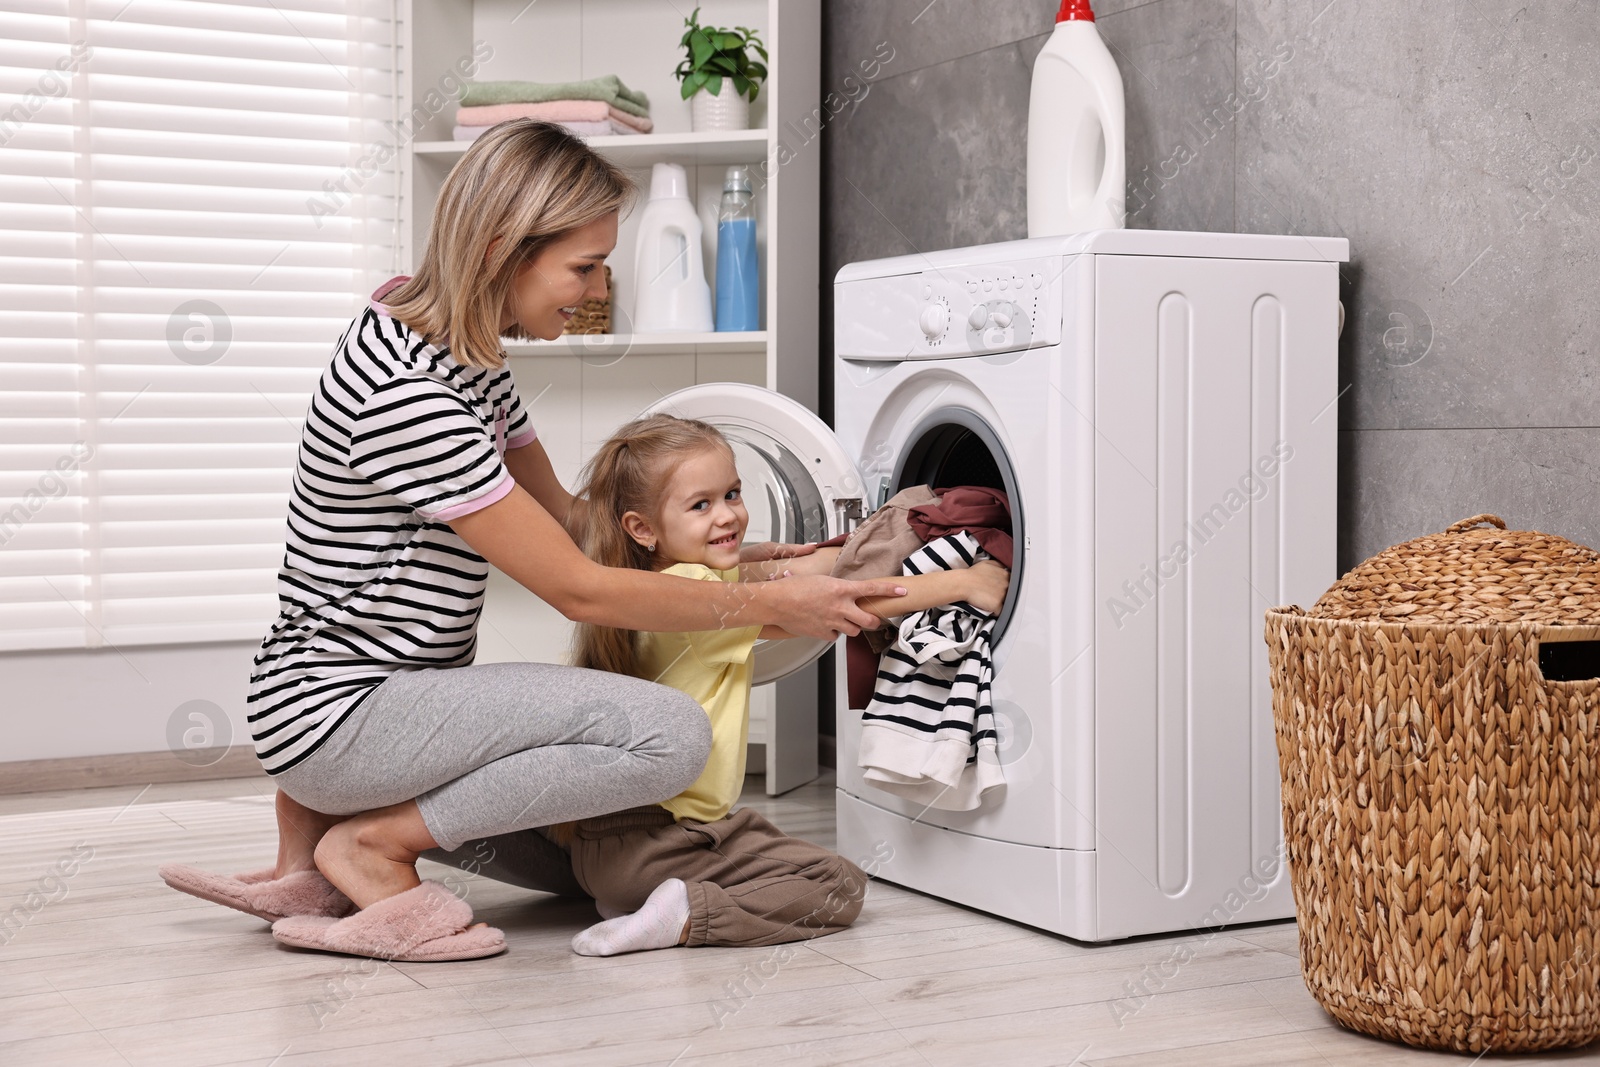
[[815, 605], [986, 583], [762, 551]]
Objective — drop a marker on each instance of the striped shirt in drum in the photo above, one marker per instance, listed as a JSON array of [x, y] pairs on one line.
[[400, 439]]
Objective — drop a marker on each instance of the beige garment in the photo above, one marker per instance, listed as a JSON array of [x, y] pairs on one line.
[[749, 882], [880, 545]]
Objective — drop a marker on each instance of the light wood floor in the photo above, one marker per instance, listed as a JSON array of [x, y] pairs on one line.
[[119, 969]]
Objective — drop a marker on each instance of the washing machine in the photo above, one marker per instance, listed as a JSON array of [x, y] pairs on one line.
[[1160, 408]]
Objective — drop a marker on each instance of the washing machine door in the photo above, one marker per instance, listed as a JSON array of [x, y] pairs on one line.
[[800, 484]]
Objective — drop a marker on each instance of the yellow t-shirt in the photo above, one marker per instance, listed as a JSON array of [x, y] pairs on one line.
[[714, 667]]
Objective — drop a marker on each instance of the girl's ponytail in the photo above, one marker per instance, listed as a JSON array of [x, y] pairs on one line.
[[611, 472], [629, 473]]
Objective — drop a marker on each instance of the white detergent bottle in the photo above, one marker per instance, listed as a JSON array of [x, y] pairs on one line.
[[669, 264], [1077, 162]]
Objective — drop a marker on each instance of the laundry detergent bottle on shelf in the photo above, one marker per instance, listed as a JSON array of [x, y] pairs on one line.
[[1077, 161], [669, 266], [738, 283]]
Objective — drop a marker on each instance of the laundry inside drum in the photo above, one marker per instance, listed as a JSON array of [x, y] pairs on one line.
[[956, 448]]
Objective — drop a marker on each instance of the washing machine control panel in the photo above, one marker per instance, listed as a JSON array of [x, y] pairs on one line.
[[951, 311]]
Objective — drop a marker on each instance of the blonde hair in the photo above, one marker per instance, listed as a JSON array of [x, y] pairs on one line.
[[528, 182], [630, 472]]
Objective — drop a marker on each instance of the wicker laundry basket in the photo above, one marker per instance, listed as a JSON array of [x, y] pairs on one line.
[[593, 315], [1441, 789]]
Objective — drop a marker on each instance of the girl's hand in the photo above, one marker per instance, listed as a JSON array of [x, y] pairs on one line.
[[762, 551], [986, 584]]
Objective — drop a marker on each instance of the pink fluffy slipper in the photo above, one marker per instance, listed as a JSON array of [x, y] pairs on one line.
[[424, 924], [260, 894]]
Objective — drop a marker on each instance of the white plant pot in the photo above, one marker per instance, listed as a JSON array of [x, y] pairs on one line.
[[728, 110]]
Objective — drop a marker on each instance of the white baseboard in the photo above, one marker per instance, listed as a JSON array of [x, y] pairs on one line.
[[134, 768], [153, 768]]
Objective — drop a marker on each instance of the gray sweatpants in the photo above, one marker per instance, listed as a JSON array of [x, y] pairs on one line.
[[506, 746]]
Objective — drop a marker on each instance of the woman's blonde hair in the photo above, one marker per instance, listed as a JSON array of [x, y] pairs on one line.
[[528, 182], [630, 472]]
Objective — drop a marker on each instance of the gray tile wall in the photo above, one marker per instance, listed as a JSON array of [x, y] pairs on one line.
[[1456, 143]]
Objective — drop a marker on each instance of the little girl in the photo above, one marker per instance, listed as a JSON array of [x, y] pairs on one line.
[[663, 495]]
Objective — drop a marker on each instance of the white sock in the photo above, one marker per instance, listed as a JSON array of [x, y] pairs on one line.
[[607, 912], [658, 924]]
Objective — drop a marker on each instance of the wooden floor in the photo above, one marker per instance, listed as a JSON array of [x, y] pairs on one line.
[[115, 968]]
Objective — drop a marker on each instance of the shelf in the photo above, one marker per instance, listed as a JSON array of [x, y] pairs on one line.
[[607, 348], [641, 150]]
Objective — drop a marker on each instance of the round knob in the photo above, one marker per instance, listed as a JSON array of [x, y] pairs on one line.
[[1002, 316], [934, 319], [978, 318]]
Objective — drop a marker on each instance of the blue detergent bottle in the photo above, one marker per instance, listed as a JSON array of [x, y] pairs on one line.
[[738, 285]]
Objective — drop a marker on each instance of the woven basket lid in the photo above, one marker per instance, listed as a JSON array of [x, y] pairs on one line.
[[1476, 571]]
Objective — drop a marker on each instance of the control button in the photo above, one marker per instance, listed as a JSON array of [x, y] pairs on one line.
[[1038, 280], [927, 291], [972, 287], [988, 285], [979, 316], [934, 320], [1004, 281], [1002, 316]]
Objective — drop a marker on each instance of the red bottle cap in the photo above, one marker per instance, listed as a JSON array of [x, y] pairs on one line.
[[1075, 9]]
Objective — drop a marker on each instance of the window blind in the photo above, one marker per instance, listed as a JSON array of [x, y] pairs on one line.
[[195, 200]]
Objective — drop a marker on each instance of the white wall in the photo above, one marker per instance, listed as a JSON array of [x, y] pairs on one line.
[[103, 702]]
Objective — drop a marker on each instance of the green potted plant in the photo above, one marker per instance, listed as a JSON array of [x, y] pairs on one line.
[[720, 77]]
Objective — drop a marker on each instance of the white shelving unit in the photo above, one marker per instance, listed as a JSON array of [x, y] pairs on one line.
[[598, 346], [642, 150], [581, 388]]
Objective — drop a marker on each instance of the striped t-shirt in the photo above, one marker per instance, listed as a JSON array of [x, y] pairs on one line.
[[399, 439]]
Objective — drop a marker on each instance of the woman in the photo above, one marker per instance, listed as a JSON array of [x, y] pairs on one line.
[[417, 465]]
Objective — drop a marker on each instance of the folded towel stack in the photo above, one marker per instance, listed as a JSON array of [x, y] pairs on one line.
[[601, 107]]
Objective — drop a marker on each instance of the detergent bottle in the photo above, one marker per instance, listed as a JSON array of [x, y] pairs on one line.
[[670, 274], [738, 284], [1077, 161]]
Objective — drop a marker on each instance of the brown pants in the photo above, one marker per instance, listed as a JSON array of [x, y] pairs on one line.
[[749, 882]]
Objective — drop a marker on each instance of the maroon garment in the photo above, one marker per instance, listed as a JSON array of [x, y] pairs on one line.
[[861, 671], [983, 512]]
